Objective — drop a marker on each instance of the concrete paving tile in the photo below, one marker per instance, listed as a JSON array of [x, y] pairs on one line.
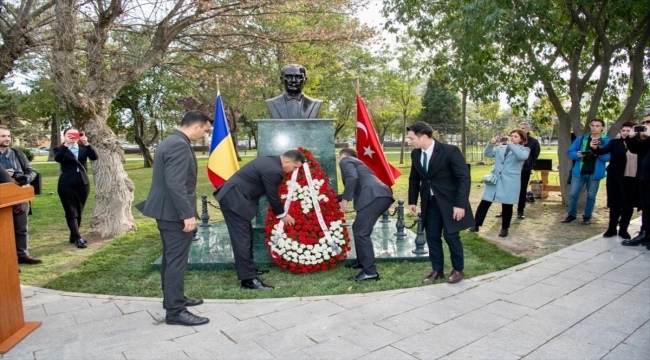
[[251, 309], [536, 327], [445, 310], [207, 307], [617, 257], [285, 319], [601, 336], [610, 285], [446, 290], [559, 315], [351, 301], [217, 320], [640, 338], [323, 329], [556, 264], [99, 301], [43, 290], [627, 352], [359, 316], [480, 321], [505, 286], [283, 342], [598, 294], [66, 305], [13, 354], [128, 307], [405, 324], [247, 329], [480, 294], [577, 303], [371, 337], [386, 294], [636, 298], [564, 347], [643, 287], [39, 299], [417, 299], [597, 247], [55, 322], [626, 274], [575, 256], [391, 306], [245, 350], [514, 342], [34, 312], [387, 352], [336, 348], [507, 310], [618, 317], [155, 351], [565, 282], [481, 349], [105, 311], [321, 308], [437, 342], [583, 275], [537, 295]]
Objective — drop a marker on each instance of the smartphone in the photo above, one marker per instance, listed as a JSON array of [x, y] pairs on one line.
[[81, 134], [639, 129], [504, 139], [75, 136]]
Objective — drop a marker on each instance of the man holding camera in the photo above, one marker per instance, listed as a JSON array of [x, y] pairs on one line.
[[22, 173], [588, 170], [638, 142]]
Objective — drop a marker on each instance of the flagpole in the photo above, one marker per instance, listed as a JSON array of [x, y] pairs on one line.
[[218, 90], [357, 85]]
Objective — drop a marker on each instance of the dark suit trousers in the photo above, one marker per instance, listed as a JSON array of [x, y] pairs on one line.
[[176, 249], [73, 198], [435, 227], [362, 229], [241, 238], [525, 178], [20, 228]]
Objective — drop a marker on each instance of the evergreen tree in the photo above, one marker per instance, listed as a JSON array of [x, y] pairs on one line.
[[440, 105]]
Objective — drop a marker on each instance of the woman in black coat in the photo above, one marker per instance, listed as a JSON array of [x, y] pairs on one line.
[[74, 185], [622, 196]]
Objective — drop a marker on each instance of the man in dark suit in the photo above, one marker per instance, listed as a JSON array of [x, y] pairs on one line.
[[439, 175], [293, 104], [371, 199], [74, 184], [238, 200], [172, 202]]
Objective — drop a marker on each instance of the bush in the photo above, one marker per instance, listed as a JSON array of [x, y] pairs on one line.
[[26, 151]]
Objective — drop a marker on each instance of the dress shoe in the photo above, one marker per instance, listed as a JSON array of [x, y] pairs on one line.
[[186, 318], [474, 228], [362, 276], [193, 302], [433, 276], [499, 215], [456, 276], [29, 260], [520, 215], [586, 221], [354, 266], [611, 232], [255, 284], [261, 272], [80, 243], [624, 234], [503, 233], [640, 239], [569, 219]]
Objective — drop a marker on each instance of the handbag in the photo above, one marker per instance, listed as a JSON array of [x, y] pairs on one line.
[[490, 179]]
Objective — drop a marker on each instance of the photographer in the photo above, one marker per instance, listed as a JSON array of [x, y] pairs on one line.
[[638, 142], [588, 170], [74, 185], [18, 167]]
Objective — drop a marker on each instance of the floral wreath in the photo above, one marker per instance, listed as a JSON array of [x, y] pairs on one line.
[[318, 240]]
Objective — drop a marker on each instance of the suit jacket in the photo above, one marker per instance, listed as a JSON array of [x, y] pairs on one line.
[[172, 196], [618, 194], [69, 163], [641, 147], [508, 169], [448, 176], [535, 150], [242, 192], [279, 109], [361, 183]]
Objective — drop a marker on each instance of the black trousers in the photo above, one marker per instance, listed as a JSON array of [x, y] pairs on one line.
[[484, 206], [73, 198], [362, 229], [435, 227], [176, 250], [20, 213], [525, 179], [241, 239], [644, 198]]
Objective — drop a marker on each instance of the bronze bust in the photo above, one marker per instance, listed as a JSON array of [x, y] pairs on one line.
[[293, 104]]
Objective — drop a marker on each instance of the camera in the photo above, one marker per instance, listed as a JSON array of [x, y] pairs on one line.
[[503, 139], [639, 129], [20, 178]]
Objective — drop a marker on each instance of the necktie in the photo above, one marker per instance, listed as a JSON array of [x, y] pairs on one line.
[[506, 153], [425, 161]]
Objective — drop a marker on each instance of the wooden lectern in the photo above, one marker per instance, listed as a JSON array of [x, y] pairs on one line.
[[13, 327]]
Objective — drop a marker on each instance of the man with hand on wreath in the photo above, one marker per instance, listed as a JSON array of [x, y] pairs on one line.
[[239, 199], [371, 199]]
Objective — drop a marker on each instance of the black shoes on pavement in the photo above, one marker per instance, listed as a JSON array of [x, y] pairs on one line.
[[186, 318], [362, 276], [255, 284], [641, 239], [503, 233], [568, 219], [80, 243]]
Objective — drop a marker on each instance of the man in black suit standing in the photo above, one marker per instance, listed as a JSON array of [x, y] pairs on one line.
[[371, 199], [172, 202], [293, 104], [238, 200], [439, 175]]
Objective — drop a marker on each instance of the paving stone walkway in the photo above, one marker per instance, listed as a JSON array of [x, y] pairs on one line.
[[588, 301]]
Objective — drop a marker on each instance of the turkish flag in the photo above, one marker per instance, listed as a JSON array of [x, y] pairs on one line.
[[369, 149]]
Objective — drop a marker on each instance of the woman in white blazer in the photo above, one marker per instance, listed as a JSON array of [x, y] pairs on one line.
[[509, 158]]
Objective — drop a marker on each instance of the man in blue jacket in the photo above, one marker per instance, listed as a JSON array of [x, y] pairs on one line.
[[588, 170]]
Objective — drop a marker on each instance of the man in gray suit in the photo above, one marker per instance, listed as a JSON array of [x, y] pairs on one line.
[[293, 104], [371, 199], [238, 200], [172, 202]]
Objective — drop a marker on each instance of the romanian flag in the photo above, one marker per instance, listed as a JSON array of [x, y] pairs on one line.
[[222, 162], [369, 149]]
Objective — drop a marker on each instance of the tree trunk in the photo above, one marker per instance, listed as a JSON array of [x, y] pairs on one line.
[[55, 135], [403, 146], [463, 123], [113, 189], [140, 126]]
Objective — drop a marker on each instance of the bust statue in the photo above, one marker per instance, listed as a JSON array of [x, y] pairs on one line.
[[293, 104]]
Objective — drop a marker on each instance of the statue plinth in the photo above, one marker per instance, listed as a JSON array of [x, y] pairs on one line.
[[275, 136]]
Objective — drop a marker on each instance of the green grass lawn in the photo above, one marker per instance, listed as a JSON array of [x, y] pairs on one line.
[[122, 266]]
